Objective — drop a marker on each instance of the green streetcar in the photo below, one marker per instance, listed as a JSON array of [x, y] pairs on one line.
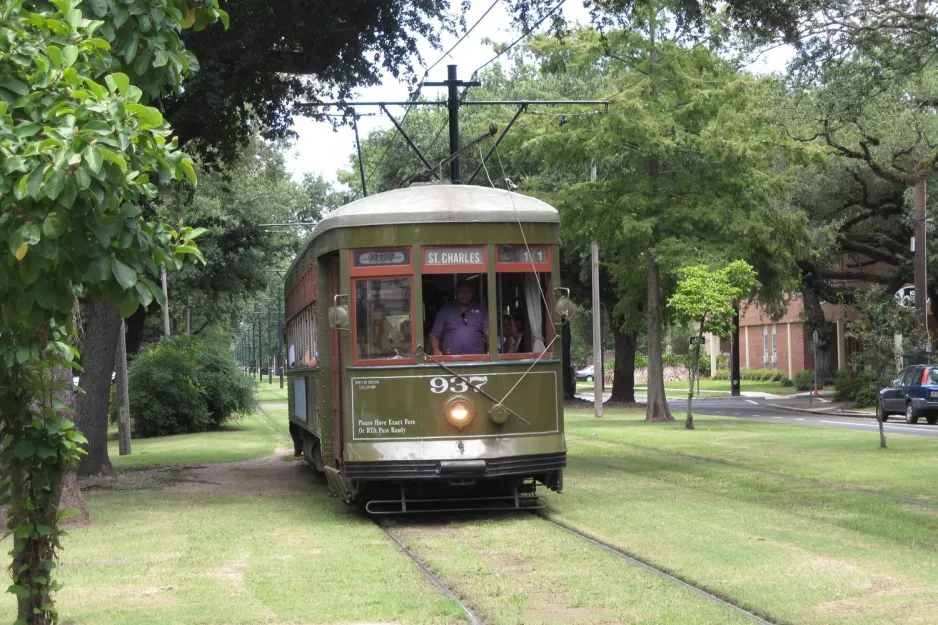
[[385, 401]]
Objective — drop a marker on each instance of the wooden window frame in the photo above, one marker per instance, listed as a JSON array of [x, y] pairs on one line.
[[374, 362]]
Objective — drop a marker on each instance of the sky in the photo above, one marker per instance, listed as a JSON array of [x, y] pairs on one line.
[[321, 150]]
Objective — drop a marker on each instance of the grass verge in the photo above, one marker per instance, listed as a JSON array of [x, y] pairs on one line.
[[797, 552], [272, 393]]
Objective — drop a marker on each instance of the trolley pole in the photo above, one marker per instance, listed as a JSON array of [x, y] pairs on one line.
[[452, 83], [280, 337], [260, 346]]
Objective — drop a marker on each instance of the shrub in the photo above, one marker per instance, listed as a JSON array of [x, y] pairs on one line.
[[723, 362], [787, 382], [185, 385], [804, 380], [641, 361], [861, 388], [721, 374]]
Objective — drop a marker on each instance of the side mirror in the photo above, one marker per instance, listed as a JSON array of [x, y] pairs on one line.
[[338, 314], [565, 308]]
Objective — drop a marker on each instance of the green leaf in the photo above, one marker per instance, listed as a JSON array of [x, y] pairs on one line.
[[148, 116], [46, 295], [55, 55], [129, 306], [186, 166], [22, 355], [34, 182], [130, 210], [161, 58], [23, 449], [117, 82], [74, 18], [55, 184], [114, 157], [194, 234], [31, 234], [126, 276], [99, 7], [146, 297], [53, 227], [24, 131], [99, 270], [69, 55], [16, 86], [92, 156], [3, 108]]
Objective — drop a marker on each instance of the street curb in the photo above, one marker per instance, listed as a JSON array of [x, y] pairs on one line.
[[830, 412]]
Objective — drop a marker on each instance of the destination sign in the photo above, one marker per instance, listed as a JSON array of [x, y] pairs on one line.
[[522, 255], [379, 258], [454, 256]]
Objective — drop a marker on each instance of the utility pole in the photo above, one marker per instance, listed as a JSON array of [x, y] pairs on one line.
[[921, 275], [166, 297], [597, 323], [123, 394], [270, 350]]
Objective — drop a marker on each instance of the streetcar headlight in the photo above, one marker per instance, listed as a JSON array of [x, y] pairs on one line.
[[459, 412]]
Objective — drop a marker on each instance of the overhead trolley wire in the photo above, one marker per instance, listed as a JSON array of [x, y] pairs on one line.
[[424, 77]]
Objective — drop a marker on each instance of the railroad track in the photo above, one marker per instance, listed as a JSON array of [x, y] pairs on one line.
[[752, 616], [784, 476], [474, 618]]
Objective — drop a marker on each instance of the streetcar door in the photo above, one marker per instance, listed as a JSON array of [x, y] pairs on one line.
[[335, 361]]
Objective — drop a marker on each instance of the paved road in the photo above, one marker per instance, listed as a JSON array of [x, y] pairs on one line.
[[761, 410]]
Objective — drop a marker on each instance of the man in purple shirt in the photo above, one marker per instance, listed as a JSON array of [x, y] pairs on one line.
[[462, 327]]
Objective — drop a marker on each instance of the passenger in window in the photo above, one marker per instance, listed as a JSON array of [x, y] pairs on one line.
[[462, 327], [511, 336]]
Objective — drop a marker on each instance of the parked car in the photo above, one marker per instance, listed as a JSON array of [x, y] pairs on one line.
[[585, 374], [913, 393]]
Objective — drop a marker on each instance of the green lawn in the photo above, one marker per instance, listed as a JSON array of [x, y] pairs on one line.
[[793, 551], [271, 393], [249, 437], [168, 558]]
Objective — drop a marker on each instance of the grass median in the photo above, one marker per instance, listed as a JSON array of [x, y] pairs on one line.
[[794, 551], [271, 393]]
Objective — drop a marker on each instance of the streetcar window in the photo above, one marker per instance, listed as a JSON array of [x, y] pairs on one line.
[[383, 326], [439, 292], [523, 316], [301, 339]]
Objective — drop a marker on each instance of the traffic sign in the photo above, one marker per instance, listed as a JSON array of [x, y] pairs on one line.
[[698, 340]]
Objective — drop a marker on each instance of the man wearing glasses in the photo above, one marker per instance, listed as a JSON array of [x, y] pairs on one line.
[[462, 327]]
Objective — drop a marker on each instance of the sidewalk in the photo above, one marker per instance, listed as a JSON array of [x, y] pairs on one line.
[[838, 410]]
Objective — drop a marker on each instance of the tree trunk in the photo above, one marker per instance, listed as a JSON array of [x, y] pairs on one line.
[[623, 374], [694, 372], [70, 496], [657, 401], [135, 324], [97, 356], [569, 386]]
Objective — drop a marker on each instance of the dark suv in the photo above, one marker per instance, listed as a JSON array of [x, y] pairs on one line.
[[913, 393]]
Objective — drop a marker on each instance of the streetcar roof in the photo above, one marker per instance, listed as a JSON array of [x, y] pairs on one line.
[[439, 203]]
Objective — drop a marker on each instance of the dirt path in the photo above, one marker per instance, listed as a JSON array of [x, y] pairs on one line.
[[278, 473]]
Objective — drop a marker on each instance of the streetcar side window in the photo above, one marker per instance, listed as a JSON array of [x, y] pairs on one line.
[[523, 316], [383, 324], [301, 339]]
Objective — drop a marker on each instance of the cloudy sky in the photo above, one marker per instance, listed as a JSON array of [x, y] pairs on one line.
[[322, 150]]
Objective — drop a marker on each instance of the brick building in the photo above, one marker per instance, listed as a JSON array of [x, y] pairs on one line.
[[785, 344]]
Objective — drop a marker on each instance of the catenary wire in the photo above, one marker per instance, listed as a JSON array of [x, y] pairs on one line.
[[420, 86]]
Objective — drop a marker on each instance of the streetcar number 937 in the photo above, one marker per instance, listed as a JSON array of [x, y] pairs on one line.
[[457, 385]]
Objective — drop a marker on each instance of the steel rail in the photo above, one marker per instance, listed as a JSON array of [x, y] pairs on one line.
[[439, 583], [752, 616]]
